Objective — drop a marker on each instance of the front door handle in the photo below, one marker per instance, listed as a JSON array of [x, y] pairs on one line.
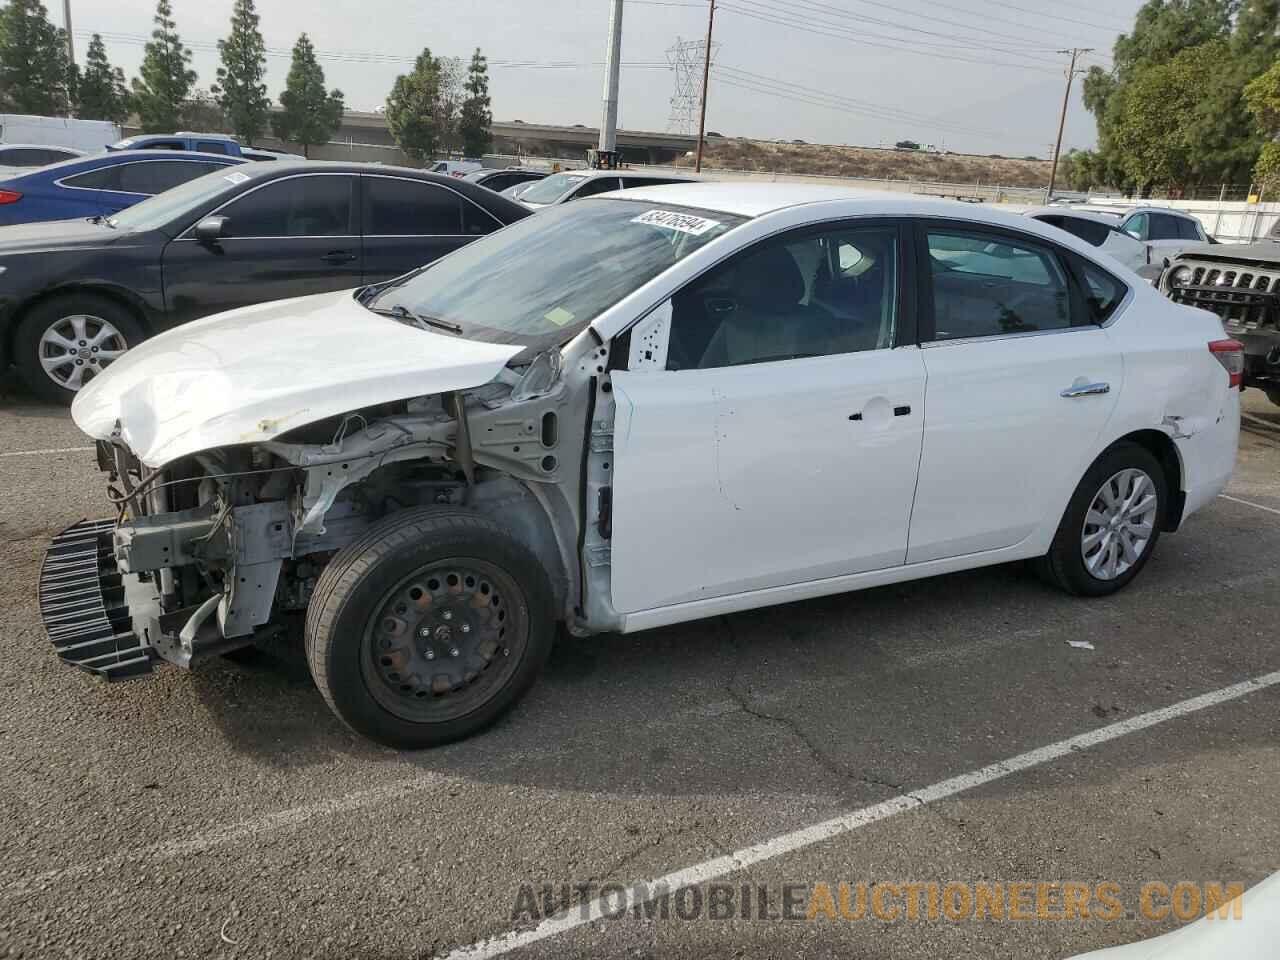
[[338, 256], [1086, 390]]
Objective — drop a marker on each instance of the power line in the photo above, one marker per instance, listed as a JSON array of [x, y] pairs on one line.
[[887, 113], [873, 43], [376, 57], [983, 30], [826, 11]]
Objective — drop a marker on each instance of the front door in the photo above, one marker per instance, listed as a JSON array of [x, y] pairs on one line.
[[287, 238], [1021, 381], [408, 223], [781, 442]]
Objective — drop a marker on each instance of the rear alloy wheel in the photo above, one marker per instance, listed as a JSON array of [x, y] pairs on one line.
[[429, 627], [1111, 525], [1119, 525], [64, 343]]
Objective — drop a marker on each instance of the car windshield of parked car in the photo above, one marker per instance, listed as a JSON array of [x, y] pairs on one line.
[[155, 212], [541, 280], [552, 188]]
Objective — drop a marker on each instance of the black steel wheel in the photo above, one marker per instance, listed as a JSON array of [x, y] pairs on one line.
[[429, 627]]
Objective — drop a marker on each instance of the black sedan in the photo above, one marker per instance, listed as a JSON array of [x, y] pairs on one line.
[[74, 295]]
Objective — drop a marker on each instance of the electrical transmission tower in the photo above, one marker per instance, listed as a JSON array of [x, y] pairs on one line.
[[686, 59]]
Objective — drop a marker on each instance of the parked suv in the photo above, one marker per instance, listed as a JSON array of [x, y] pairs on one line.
[[1165, 231], [1241, 284]]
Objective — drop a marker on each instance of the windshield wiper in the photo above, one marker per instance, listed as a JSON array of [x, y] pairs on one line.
[[401, 312]]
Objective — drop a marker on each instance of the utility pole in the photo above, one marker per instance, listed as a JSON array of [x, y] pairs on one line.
[[706, 77], [607, 154], [71, 54], [1062, 117]]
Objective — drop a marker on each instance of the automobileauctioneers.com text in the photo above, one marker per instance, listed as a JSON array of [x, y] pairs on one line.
[[884, 901]]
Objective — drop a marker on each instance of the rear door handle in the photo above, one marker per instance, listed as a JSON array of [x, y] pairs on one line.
[[1086, 390], [338, 256]]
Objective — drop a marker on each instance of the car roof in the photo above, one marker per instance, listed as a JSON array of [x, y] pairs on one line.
[[753, 199], [41, 146], [93, 161]]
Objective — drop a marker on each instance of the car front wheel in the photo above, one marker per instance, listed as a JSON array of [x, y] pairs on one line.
[[1111, 526], [64, 343], [429, 627]]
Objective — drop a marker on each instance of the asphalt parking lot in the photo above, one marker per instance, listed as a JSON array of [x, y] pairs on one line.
[[227, 813]]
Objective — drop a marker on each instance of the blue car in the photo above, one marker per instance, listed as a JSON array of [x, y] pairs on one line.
[[100, 185]]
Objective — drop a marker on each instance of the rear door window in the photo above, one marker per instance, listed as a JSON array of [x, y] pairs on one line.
[[1090, 231], [211, 146], [166, 145], [104, 178], [1163, 227], [314, 206], [157, 176], [1188, 229], [992, 285], [598, 185], [410, 208]]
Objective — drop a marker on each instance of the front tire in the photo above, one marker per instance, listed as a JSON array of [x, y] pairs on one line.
[[1111, 526], [63, 343], [429, 628]]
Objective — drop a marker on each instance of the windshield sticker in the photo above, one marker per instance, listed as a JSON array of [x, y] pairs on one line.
[[236, 178], [683, 222], [559, 316]]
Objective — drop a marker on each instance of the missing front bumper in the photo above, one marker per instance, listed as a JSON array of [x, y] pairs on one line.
[[82, 604]]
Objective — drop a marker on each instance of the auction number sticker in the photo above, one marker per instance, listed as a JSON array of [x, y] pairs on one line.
[[236, 178], [683, 222]]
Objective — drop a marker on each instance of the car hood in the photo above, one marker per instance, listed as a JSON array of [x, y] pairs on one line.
[[52, 235], [1260, 253], [252, 374]]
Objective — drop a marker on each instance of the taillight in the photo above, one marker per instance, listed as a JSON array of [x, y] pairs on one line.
[[9, 196], [1230, 353]]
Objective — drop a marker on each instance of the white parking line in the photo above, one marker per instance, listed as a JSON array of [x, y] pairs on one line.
[[644, 892], [37, 453], [1249, 503]]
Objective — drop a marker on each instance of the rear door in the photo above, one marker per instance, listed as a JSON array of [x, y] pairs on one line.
[[1165, 235], [409, 222], [285, 238], [1021, 381]]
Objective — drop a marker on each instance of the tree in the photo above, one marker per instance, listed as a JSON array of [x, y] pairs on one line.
[[475, 118], [35, 73], [160, 93], [308, 115], [1262, 98], [1216, 142], [413, 109], [101, 93], [240, 90]]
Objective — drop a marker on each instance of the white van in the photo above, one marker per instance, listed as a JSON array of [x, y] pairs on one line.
[[455, 168], [88, 136]]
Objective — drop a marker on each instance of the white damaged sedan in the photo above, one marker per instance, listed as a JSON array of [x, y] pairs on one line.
[[639, 409]]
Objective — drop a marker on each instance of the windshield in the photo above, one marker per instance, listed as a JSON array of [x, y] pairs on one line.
[[155, 212], [541, 280], [552, 188]]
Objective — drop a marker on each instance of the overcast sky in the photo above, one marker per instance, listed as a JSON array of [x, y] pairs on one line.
[[973, 75]]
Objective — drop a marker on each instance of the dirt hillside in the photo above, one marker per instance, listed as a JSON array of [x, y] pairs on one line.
[[824, 160]]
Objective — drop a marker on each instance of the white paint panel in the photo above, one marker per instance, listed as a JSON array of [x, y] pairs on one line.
[[750, 477], [1002, 448]]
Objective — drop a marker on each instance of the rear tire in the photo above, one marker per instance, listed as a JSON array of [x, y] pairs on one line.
[[429, 627], [62, 343], [1111, 526]]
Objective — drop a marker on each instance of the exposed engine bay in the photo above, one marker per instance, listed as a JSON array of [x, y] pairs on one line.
[[221, 549]]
